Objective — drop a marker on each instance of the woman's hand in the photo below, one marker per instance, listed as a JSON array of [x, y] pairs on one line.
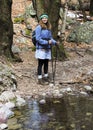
[[50, 42], [57, 43]]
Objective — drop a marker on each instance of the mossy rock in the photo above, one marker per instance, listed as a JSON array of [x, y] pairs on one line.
[[82, 33]]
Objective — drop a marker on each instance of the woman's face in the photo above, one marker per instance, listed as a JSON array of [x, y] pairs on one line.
[[44, 20]]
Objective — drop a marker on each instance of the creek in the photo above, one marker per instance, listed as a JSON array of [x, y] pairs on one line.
[[68, 113]]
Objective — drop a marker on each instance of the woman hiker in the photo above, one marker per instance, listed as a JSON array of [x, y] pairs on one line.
[[44, 40]]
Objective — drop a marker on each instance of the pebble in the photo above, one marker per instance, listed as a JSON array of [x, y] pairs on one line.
[[43, 101]]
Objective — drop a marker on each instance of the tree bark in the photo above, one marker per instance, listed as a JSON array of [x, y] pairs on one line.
[[91, 8], [64, 22], [6, 28], [83, 10]]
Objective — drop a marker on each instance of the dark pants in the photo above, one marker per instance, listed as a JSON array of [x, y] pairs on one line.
[[42, 63]]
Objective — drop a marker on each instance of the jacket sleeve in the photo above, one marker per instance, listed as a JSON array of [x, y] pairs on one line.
[[38, 36], [50, 35]]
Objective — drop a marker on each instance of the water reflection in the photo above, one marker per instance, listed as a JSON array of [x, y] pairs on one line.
[[69, 113]]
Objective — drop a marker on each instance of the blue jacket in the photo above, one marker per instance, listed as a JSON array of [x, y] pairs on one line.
[[42, 38]]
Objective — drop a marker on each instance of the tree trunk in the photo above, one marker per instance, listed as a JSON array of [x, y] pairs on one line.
[[91, 7], [64, 22], [6, 28], [51, 7], [83, 10]]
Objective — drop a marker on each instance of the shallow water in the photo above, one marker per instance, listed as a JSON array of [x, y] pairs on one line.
[[68, 113]]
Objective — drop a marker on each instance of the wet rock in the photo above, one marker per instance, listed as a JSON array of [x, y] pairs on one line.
[[5, 113], [88, 88], [12, 121], [10, 105], [20, 101], [69, 90], [83, 93], [88, 114], [3, 126], [15, 126], [6, 96], [42, 101]]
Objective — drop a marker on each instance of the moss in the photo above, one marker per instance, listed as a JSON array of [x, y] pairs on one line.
[[33, 48], [13, 100], [19, 20], [27, 32], [59, 52]]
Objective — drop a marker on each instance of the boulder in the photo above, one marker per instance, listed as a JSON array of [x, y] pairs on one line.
[[82, 33]]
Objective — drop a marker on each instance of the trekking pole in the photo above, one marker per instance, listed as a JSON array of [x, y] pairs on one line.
[[52, 64]]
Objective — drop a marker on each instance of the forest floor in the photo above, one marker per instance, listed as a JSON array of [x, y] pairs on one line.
[[72, 73]]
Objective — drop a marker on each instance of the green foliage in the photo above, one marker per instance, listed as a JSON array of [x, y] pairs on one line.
[[33, 48], [19, 19], [27, 32]]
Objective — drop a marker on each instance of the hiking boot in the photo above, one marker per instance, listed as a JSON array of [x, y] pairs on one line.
[[42, 82]]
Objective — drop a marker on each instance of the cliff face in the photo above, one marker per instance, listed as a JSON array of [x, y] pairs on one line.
[[18, 6]]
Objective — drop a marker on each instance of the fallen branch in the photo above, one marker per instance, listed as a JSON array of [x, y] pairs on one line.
[[25, 35], [70, 82]]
